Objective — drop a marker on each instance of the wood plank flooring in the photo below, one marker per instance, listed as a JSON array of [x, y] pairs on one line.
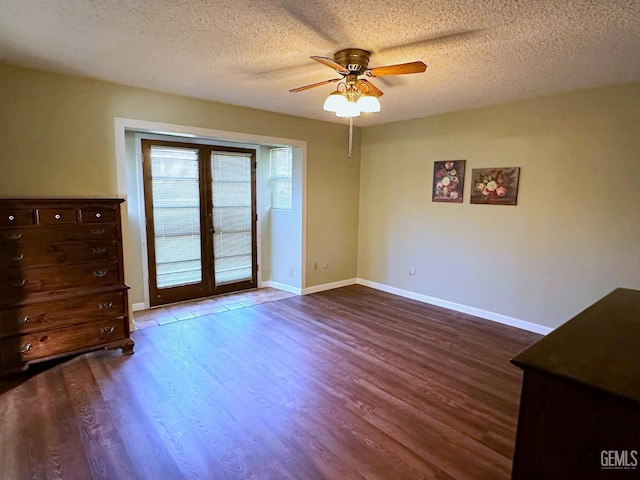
[[350, 383]]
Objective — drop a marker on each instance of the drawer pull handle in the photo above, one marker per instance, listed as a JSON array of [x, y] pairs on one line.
[[24, 348], [98, 250], [98, 231], [12, 218], [107, 330], [98, 215], [18, 257], [18, 283], [105, 305], [14, 236], [100, 273], [23, 320], [57, 216]]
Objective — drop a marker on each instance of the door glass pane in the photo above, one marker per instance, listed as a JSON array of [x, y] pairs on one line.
[[232, 243], [176, 215]]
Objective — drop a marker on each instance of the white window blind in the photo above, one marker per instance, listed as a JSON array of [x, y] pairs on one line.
[[281, 177], [176, 215], [232, 240]]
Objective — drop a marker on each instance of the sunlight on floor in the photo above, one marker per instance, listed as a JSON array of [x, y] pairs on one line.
[[206, 306]]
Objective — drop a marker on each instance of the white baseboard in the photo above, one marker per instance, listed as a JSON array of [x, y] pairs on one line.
[[329, 286], [457, 307], [495, 317], [282, 286], [136, 307]]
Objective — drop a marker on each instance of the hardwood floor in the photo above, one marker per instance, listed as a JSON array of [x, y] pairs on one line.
[[350, 383]]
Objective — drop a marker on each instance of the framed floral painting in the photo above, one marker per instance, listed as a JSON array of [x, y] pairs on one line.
[[495, 186], [448, 181]]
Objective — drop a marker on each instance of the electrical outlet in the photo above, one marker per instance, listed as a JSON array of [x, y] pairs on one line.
[[412, 271], [315, 265], [325, 265], [291, 272]]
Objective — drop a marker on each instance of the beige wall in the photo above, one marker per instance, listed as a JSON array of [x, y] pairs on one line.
[[573, 237], [57, 139]]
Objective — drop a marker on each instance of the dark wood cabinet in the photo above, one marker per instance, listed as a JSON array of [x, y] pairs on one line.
[[62, 287], [580, 405]]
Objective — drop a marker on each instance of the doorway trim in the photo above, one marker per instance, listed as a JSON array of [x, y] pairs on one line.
[[135, 210]]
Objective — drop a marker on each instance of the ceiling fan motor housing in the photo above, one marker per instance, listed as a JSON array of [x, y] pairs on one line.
[[355, 60]]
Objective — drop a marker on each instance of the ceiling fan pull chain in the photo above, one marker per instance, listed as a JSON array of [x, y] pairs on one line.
[[350, 135]]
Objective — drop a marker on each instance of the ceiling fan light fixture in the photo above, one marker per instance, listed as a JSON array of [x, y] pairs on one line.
[[348, 109], [368, 104], [334, 102]]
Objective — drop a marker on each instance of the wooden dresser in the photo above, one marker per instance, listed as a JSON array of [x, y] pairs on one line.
[[580, 405], [62, 287]]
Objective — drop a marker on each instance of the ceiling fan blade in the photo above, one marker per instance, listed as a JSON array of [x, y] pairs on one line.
[[307, 87], [399, 69], [331, 64], [369, 87]]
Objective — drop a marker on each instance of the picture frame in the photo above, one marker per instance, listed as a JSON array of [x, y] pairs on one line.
[[448, 181], [495, 186]]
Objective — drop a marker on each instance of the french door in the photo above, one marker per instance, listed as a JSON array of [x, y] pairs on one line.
[[200, 207]]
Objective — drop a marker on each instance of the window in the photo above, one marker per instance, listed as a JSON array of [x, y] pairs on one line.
[[281, 177], [175, 177]]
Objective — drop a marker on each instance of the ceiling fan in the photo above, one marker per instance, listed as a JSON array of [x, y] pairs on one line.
[[354, 94], [357, 94]]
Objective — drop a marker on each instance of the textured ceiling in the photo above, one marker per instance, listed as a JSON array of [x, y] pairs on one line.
[[251, 52]]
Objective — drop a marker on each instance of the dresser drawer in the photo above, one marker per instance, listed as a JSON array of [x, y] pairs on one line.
[[40, 235], [57, 216], [57, 254], [16, 217], [56, 314], [97, 215], [26, 348], [16, 285]]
